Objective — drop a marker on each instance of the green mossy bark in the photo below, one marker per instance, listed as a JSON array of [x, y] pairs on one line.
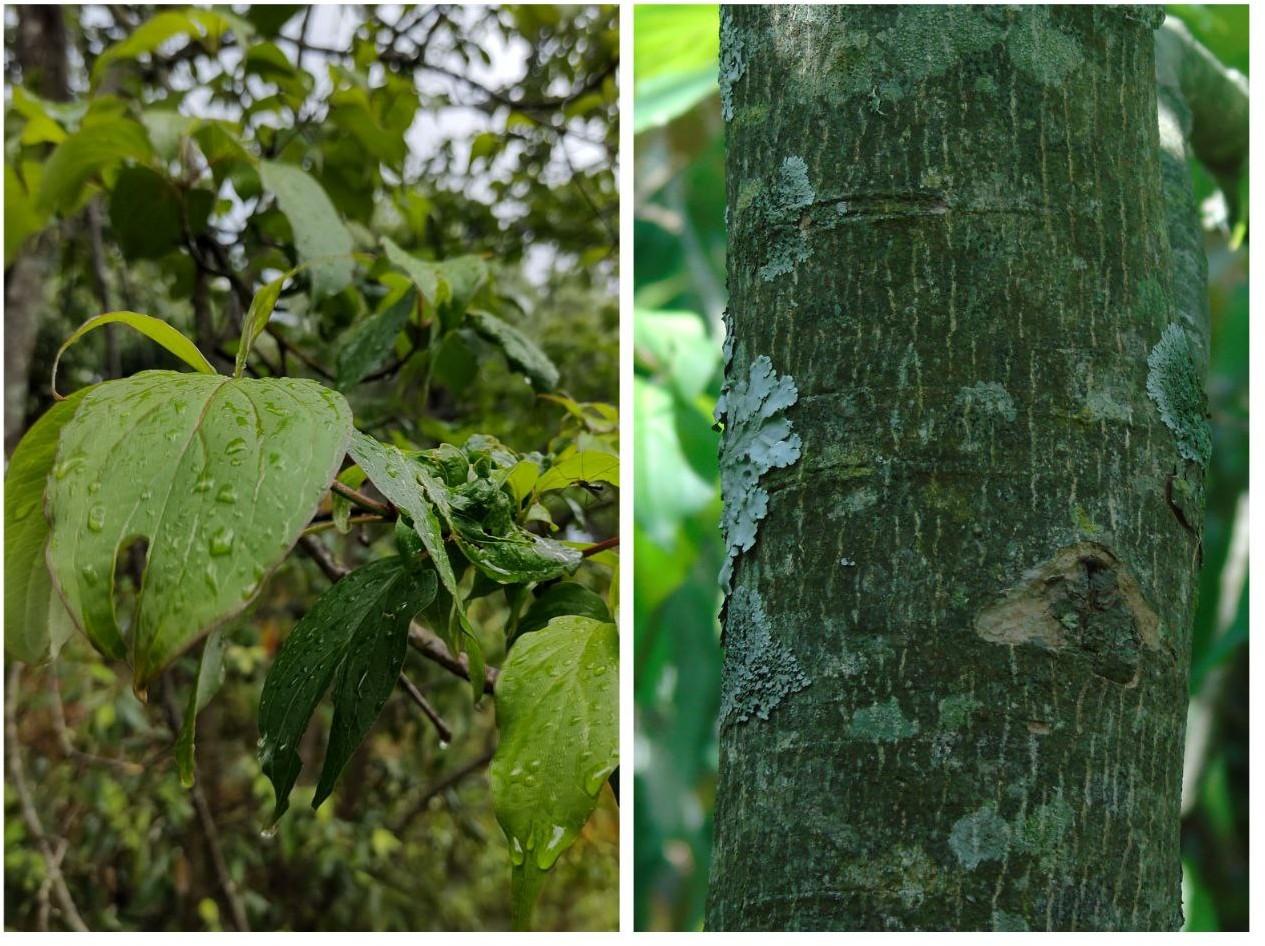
[[976, 561]]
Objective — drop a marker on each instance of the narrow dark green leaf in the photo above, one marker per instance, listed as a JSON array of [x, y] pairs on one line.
[[402, 480], [354, 636], [521, 352], [367, 344], [145, 213]]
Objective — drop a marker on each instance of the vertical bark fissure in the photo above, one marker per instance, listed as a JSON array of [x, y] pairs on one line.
[[948, 227]]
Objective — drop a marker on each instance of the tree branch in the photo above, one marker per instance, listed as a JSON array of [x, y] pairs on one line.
[[423, 704]]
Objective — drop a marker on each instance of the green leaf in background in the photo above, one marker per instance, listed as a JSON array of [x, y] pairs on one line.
[[86, 153], [355, 635], [367, 343], [400, 480], [579, 466], [561, 600], [209, 677], [320, 236], [557, 707], [35, 620], [679, 347], [220, 476], [675, 51], [205, 26], [145, 213], [521, 352], [424, 274], [659, 460], [156, 329], [21, 217]]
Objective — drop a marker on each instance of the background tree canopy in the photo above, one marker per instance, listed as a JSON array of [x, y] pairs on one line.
[[424, 200], [680, 294]]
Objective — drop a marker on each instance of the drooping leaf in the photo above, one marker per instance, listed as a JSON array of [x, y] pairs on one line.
[[205, 684], [520, 351], [557, 708], [367, 343], [355, 635], [400, 479], [35, 620], [218, 475], [560, 600], [320, 236], [163, 333], [580, 466], [84, 154]]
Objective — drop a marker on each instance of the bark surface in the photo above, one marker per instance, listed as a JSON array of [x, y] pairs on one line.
[[956, 644]]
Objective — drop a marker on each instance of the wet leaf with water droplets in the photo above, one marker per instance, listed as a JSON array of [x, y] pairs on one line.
[[186, 473], [210, 676], [545, 776], [35, 620], [356, 636]]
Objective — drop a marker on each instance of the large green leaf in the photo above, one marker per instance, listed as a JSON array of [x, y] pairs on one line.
[[520, 351], [35, 620], [400, 480], [320, 236], [21, 218], [219, 475], [557, 708], [355, 636]]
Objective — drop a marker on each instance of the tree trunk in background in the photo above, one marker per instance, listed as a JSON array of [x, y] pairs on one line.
[[41, 52], [963, 473]]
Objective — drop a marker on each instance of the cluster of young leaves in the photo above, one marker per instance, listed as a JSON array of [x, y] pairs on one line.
[[297, 220]]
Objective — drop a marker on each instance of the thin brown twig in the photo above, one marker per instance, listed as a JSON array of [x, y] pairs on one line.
[[444, 783], [602, 546], [206, 820], [17, 772], [429, 711], [324, 525], [360, 499]]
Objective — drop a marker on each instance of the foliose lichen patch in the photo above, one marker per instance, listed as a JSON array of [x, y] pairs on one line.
[[1043, 51], [882, 722], [1173, 383], [759, 672], [781, 206], [989, 398], [757, 438], [733, 62], [983, 835]]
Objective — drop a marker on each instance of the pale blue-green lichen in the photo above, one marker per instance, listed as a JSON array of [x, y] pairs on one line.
[[757, 438], [882, 722], [787, 198], [733, 62], [1177, 390], [1043, 828], [983, 835], [986, 397], [759, 672]]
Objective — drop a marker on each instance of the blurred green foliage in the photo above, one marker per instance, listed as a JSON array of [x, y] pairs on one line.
[[679, 279], [452, 130]]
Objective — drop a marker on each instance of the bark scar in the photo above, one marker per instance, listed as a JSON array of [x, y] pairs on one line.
[[1082, 600]]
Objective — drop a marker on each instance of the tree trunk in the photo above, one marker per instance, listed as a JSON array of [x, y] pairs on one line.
[[963, 460], [41, 53]]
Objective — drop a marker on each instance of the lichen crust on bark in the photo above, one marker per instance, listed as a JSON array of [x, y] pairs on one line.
[[984, 555]]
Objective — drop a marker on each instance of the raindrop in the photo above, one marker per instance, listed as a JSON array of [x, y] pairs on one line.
[[235, 446], [222, 542], [96, 518]]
